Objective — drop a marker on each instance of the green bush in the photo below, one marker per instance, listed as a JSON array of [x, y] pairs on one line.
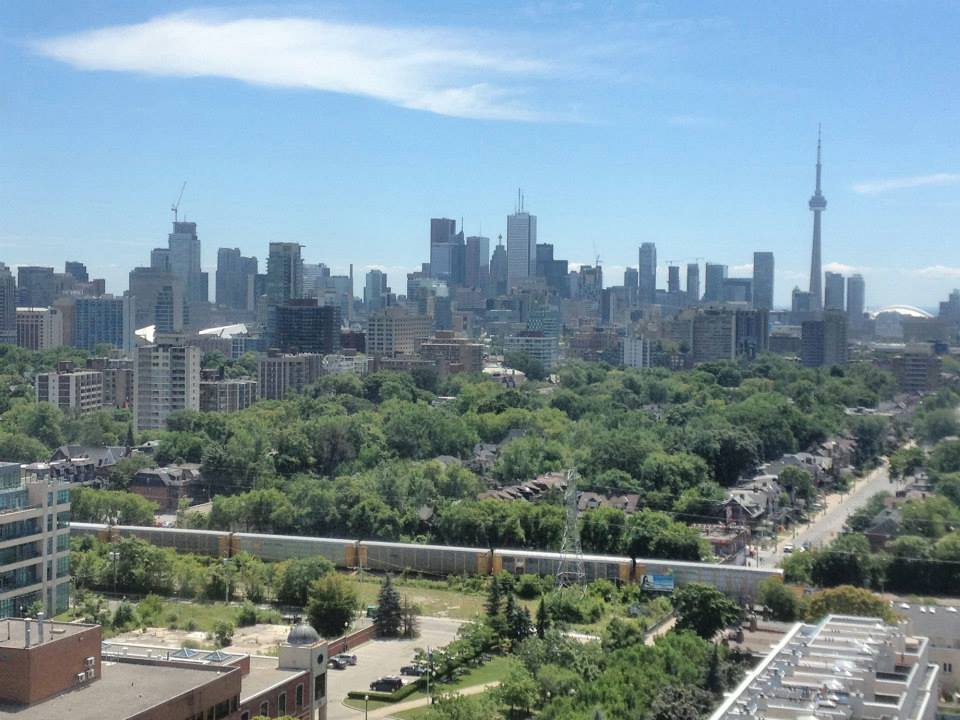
[[529, 586], [401, 694], [247, 615]]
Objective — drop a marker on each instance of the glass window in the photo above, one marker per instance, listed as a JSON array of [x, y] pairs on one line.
[[282, 703], [300, 695], [264, 709]]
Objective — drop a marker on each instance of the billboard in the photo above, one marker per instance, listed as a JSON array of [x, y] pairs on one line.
[[657, 583]]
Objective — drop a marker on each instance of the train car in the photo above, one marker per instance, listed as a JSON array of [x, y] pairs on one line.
[[734, 580], [274, 548], [199, 542], [100, 532], [596, 567], [439, 560]]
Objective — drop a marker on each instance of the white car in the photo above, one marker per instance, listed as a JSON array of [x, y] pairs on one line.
[[787, 549]]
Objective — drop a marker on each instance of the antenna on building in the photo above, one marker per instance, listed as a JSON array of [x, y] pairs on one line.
[[175, 208], [500, 239], [570, 569]]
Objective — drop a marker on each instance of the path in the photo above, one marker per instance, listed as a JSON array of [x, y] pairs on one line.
[[387, 712]]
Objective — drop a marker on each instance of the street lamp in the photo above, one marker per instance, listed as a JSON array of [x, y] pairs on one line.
[[114, 555], [226, 582], [366, 702]]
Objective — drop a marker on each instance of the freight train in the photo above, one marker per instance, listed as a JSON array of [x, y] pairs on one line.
[[438, 560]]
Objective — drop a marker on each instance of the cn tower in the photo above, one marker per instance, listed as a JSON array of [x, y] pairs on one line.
[[818, 203]]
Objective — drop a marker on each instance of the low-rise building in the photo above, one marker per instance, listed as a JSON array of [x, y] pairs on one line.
[[227, 395], [74, 391], [545, 349], [453, 354], [166, 486], [34, 542], [844, 668], [279, 375], [941, 624], [39, 328]]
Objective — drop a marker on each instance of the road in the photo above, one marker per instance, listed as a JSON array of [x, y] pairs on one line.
[[829, 522]]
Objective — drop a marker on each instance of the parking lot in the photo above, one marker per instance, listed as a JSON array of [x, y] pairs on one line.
[[382, 657]]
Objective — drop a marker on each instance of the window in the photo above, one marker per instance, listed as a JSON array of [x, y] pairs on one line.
[[300, 695], [265, 709], [948, 667], [245, 716], [282, 703], [320, 687]]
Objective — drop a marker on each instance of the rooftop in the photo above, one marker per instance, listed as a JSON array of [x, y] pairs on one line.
[[124, 690], [13, 632], [264, 674]]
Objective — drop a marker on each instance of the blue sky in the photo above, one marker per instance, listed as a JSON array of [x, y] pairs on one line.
[[346, 126]]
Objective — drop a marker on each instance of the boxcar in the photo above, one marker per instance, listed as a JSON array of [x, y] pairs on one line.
[[342, 553], [439, 560], [734, 580], [596, 567], [199, 542]]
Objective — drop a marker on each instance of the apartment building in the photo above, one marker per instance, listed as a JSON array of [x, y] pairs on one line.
[[73, 390], [166, 379]]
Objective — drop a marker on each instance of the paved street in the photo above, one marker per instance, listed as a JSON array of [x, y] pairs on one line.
[[829, 522], [382, 657]]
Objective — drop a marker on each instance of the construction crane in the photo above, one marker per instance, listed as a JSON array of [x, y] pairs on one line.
[[175, 208]]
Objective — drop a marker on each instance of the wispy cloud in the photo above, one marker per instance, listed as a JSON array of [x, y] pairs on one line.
[[875, 187], [937, 272], [444, 71], [844, 269]]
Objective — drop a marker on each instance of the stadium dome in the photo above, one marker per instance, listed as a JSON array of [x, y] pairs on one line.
[[906, 310], [302, 634]]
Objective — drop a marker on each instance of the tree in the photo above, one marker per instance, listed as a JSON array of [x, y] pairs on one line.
[[703, 609], [494, 597], [782, 601], [409, 620], [938, 424], [906, 461], [798, 482], [945, 456], [518, 619], [296, 576], [521, 361], [518, 690], [389, 621], [848, 600], [846, 561], [332, 605], [463, 707], [542, 622], [713, 680], [680, 703]]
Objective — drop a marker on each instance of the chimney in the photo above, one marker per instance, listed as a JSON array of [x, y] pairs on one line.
[[26, 630], [40, 627]]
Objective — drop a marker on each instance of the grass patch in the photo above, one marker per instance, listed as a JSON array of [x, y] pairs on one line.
[[373, 704], [434, 601]]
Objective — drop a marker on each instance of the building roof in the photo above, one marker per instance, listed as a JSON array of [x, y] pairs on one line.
[[13, 632], [264, 674], [302, 634], [123, 690]]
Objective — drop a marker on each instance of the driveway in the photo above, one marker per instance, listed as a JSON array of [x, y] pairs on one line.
[[382, 657]]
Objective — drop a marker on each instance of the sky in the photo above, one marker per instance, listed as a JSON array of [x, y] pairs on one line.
[[346, 126]]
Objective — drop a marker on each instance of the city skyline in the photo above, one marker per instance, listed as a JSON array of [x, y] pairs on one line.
[[108, 140]]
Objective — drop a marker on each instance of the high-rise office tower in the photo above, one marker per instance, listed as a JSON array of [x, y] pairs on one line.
[[714, 276], [823, 342], [304, 326], [553, 271], [76, 270], [521, 246], [236, 278], [8, 306], [160, 259], [631, 281], [693, 283], [35, 286], [856, 296], [104, 320], [284, 273], [166, 379], [184, 247], [498, 269], [673, 279], [476, 270], [818, 203], [446, 251], [834, 290], [648, 273], [763, 280], [159, 300], [375, 291]]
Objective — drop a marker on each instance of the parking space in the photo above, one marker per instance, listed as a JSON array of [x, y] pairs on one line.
[[382, 657]]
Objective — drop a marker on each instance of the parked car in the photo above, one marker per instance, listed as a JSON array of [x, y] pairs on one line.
[[346, 658], [787, 549], [336, 663], [389, 683], [413, 670]]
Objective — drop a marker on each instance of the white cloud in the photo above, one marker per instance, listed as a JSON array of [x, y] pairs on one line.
[[875, 187], [444, 71], [938, 272], [845, 269], [745, 269]]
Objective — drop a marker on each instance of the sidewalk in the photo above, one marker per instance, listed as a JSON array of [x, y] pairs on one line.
[[388, 712]]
